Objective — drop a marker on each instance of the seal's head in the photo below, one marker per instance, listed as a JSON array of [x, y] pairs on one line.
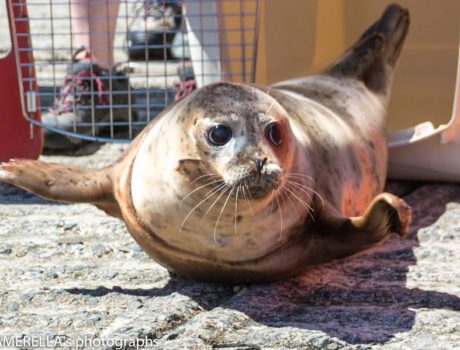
[[242, 137]]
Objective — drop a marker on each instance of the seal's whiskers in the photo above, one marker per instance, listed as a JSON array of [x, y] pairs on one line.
[[272, 201], [246, 197], [207, 196], [281, 217], [283, 202], [291, 201], [307, 190], [205, 175], [236, 209], [197, 189], [220, 214], [271, 106], [222, 190], [300, 175], [291, 190], [307, 187]]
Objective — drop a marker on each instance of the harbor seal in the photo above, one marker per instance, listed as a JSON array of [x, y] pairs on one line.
[[239, 183]]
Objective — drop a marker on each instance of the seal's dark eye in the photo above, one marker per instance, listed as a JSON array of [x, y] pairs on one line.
[[274, 134], [219, 135]]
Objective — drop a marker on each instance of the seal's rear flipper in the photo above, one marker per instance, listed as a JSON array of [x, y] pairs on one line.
[[374, 56], [62, 183], [339, 237]]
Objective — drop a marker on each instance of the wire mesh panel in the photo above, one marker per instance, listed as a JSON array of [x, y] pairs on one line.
[[105, 68]]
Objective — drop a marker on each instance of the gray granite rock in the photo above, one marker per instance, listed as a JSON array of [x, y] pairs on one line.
[[71, 272]]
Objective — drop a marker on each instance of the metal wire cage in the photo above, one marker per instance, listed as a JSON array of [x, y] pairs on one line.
[[162, 49]]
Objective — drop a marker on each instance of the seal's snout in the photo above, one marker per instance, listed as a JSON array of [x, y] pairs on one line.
[[264, 180], [258, 178]]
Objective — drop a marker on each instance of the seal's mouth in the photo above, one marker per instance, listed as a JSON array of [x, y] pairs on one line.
[[257, 185]]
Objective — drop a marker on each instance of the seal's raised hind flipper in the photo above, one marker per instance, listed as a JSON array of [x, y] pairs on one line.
[[62, 183], [372, 58], [339, 237]]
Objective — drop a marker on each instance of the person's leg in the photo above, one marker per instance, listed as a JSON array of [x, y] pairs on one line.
[[94, 92], [93, 25]]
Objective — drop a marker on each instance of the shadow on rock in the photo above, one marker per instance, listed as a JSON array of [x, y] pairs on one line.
[[13, 195], [363, 299], [207, 295], [360, 300]]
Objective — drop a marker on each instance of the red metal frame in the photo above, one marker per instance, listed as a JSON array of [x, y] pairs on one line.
[[18, 137]]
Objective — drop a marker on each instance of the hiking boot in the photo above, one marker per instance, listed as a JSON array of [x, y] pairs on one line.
[[155, 25], [83, 104]]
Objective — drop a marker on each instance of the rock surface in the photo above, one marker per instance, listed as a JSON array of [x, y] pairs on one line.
[[71, 275]]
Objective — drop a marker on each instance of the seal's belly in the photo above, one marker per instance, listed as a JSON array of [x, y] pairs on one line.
[[218, 230]]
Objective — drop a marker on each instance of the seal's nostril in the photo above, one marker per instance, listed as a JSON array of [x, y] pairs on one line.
[[260, 164]]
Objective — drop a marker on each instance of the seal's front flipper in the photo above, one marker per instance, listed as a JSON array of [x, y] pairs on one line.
[[374, 56], [62, 183], [339, 237], [386, 213]]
